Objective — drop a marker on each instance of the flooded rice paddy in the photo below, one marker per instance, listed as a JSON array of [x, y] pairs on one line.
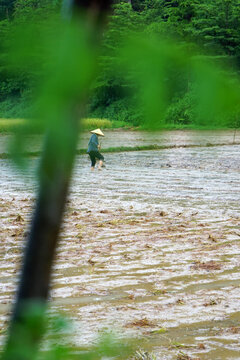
[[149, 248], [132, 138]]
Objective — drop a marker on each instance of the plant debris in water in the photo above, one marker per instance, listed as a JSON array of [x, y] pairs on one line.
[[139, 271], [208, 266]]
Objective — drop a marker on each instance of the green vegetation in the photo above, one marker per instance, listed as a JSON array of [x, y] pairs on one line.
[[92, 123], [12, 125], [96, 123], [207, 30], [119, 149], [52, 328]]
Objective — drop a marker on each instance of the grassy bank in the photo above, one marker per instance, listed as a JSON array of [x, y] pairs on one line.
[[12, 125], [171, 126], [128, 149]]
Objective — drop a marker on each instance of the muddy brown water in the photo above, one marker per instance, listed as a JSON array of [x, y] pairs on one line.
[[149, 243]]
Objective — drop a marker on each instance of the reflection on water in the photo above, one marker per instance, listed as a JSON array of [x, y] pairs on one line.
[[150, 242]]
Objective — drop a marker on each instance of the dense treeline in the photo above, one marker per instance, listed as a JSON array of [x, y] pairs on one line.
[[210, 28], [17, 85]]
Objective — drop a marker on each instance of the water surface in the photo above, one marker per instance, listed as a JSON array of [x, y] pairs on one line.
[[150, 242]]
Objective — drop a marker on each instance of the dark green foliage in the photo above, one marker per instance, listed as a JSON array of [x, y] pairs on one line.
[[213, 25], [182, 111], [16, 107], [17, 84], [6, 9], [209, 28], [111, 96], [217, 24]]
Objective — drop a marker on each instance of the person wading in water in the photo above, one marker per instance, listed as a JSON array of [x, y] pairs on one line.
[[93, 149]]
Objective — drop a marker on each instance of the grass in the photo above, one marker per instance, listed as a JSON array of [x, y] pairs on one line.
[[95, 123], [125, 149], [24, 125], [171, 126], [11, 125]]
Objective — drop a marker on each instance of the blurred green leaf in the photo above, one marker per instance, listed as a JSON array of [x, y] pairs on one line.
[[65, 62], [154, 64]]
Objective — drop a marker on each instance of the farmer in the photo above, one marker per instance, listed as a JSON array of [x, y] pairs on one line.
[[93, 149]]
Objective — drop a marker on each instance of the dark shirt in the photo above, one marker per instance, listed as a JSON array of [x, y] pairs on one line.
[[93, 143]]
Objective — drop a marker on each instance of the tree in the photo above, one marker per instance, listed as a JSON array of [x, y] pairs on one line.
[[111, 95], [6, 9], [217, 24], [55, 173]]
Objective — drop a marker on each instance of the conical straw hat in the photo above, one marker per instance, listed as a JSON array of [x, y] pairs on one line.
[[97, 132]]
